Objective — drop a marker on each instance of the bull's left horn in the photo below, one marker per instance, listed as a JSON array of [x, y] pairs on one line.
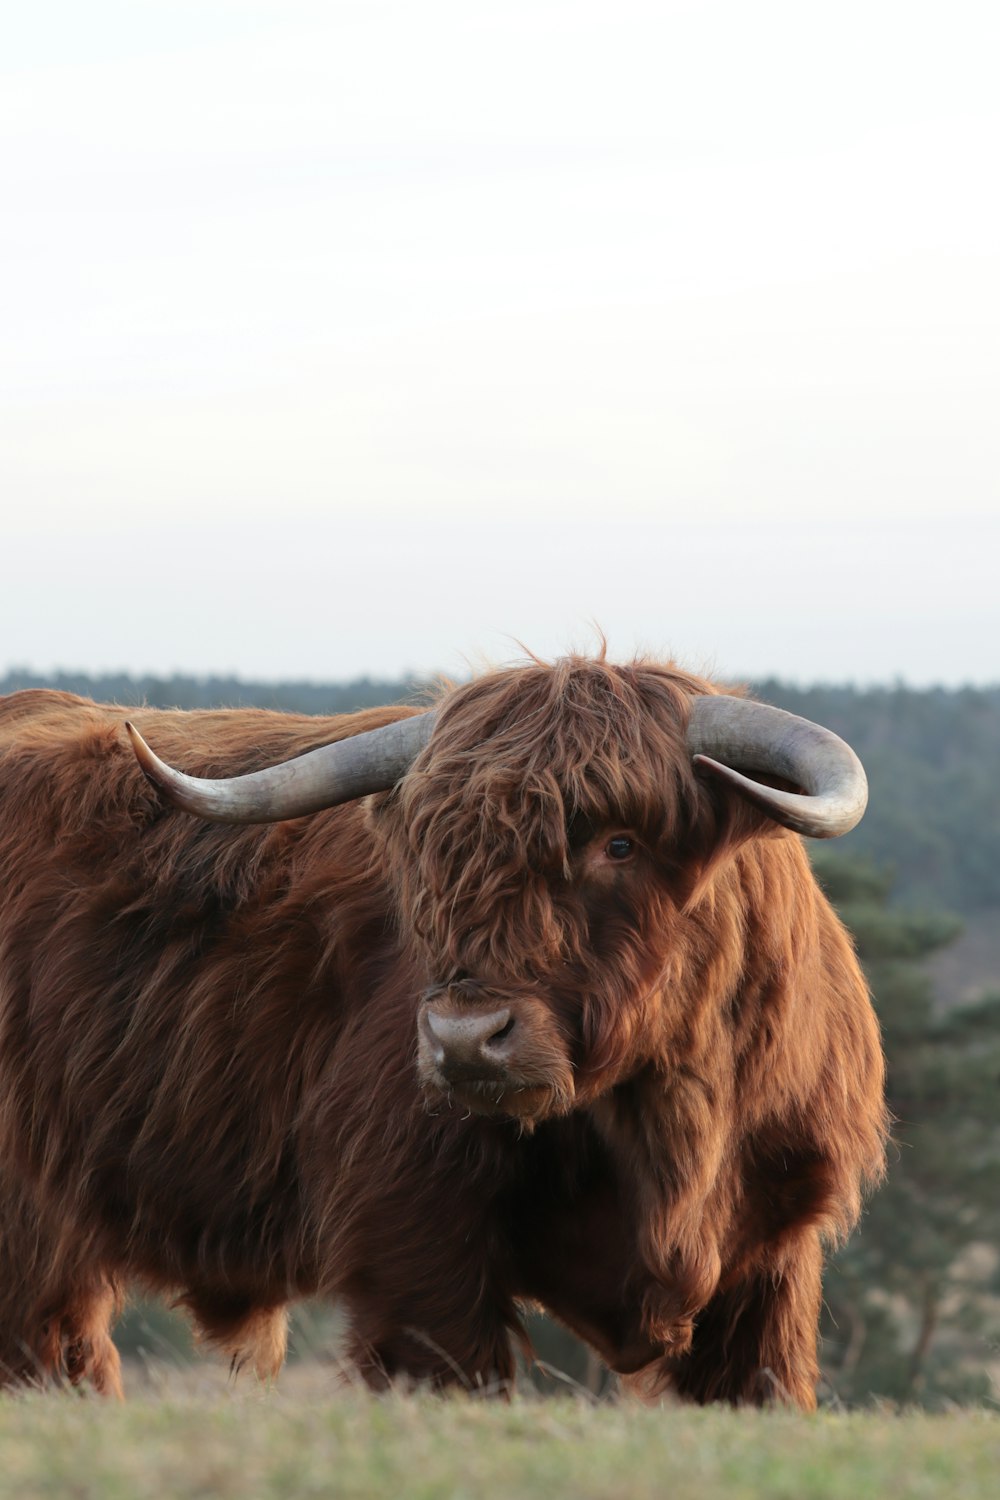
[[729, 737], [371, 762]]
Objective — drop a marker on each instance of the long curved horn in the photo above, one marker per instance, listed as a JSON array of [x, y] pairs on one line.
[[371, 762], [730, 736]]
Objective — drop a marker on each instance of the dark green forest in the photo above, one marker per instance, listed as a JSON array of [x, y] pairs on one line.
[[913, 1302], [932, 758]]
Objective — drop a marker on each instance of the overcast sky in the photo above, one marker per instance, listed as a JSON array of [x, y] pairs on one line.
[[344, 338]]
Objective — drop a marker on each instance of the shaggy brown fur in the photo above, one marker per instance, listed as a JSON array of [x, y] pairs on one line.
[[208, 1039]]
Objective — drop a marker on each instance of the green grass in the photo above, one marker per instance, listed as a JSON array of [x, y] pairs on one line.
[[194, 1440]]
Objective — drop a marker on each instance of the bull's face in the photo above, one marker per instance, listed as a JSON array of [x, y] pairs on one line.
[[573, 1018], [544, 844]]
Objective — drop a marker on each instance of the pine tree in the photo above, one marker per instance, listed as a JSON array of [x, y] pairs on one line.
[[913, 1302]]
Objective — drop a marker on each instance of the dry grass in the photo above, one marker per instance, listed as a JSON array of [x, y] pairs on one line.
[[189, 1434]]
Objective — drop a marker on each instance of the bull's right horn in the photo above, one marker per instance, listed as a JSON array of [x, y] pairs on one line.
[[341, 772]]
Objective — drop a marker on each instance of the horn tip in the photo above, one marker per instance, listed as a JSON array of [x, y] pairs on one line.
[[144, 755]]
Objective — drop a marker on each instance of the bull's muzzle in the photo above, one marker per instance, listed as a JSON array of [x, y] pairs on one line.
[[492, 1054], [472, 1048]]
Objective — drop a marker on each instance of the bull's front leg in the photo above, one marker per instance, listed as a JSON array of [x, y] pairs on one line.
[[754, 1342], [467, 1347], [742, 1334], [576, 1254], [426, 1300]]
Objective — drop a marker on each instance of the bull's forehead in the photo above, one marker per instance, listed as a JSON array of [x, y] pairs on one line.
[[583, 698], [587, 734]]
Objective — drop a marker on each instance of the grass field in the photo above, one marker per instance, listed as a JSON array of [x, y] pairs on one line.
[[197, 1439]]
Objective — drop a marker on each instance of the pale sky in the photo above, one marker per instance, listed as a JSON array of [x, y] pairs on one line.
[[344, 338]]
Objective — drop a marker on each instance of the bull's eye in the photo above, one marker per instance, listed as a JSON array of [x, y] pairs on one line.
[[619, 847]]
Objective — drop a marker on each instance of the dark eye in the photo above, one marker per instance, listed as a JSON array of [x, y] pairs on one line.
[[619, 847]]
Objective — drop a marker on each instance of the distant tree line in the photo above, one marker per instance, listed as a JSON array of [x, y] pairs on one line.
[[181, 691]]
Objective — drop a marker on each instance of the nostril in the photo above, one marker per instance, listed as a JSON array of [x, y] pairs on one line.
[[502, 1034]]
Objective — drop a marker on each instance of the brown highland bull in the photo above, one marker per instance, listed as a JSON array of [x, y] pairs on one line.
[[539, 1004]]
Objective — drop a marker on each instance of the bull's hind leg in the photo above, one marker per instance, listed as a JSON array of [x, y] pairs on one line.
[[56, 1314], [64, 1338], [76, 1343], [245, 1333], [755, 1342]]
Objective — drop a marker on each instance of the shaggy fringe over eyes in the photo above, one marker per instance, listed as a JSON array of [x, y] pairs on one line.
[[520, 759]]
